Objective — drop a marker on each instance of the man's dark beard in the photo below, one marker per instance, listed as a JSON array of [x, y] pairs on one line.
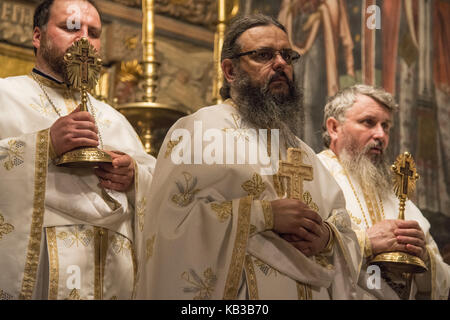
[[54, 59], [264, 109], [372, 172]]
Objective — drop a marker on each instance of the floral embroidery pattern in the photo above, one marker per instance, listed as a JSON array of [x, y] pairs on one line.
[[265, 268], [187, 190], [255, 186], [120, 244], [75, 236], [149, 247], [170, 145], [202, 287], [74, 295], [307, 198], [140, 212], [13, 154], [223, 210], [5, 228]]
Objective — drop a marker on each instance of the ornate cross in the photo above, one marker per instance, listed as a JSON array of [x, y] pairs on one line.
[[406, 174], [296, 172], [83, 67]]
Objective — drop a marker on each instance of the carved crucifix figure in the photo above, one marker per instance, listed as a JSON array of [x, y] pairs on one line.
[[296, 172], [406, 174]]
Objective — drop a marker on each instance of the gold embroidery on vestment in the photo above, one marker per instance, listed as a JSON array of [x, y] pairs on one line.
[[74, 295], [120, 244], [140, 212], [5, 296], [304, 291], [14, 154], [268, 215], [170, 145], [34, 242], [203, 288], [149, 247], [307, 199], [5, 228], [101, 248], [77, 234], [265, 268], [239, 250], [255, 186], [52, 246], [251, 278], [223, 210], [187, 190]]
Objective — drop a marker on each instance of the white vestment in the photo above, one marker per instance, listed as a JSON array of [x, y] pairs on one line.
[[61, 235], [366, 209], [209, 225]]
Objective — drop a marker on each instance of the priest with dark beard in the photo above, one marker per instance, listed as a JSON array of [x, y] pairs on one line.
[[227, 218], [356, 127]]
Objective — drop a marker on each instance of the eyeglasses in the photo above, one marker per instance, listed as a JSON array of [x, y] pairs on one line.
[[267, 54]]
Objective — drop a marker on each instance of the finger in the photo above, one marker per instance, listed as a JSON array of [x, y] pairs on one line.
[[417, 251], [408, 224], [85, 125], [108, 184], [112, 177], [126, 171], [411, 240], [410, 233], [88, 134], [81, 116], [305, 234], [311, 226], [82, 142], [311, 215], [122, 161]]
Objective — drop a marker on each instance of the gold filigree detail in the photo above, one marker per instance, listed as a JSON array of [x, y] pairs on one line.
[[307, 199], [13, 154], [140, 212], [203, 288], [75, 236], [223, 210], [268, 214], [120, 244], [54, 263], [355, 219], [170, 145], [187, 191], [150, 243], [5, 228], [265, 268], [237, 131], [42, 107], [255, 186], [74, 295]]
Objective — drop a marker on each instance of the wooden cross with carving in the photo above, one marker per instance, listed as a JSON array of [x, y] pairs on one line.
[[296, 172]]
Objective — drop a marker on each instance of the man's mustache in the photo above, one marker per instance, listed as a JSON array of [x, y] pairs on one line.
[[279, 75], [378, 144]]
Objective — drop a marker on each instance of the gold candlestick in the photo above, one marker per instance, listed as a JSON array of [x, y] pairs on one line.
[[222, 19], [405, 176], [83, 68], [150, 119]]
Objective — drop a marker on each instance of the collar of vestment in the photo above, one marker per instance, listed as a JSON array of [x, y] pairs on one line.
[[231, 103], [48, 80]]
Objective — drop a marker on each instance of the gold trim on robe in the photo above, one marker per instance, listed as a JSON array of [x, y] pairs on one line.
[[251, 279], [54, 263], [37, 219], [240, 247]]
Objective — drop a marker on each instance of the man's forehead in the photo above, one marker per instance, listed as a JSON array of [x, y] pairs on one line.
[[367, 104], [71, 7], [264, 36]]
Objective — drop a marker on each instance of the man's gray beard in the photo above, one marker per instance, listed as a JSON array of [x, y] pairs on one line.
[[263, 110], [370, 173], [52, 57]]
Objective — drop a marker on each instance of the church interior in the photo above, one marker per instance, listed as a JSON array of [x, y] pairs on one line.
[[402, 46]]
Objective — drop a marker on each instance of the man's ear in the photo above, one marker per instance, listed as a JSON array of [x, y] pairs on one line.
[[228, 70], [37, 36], [332, 127]]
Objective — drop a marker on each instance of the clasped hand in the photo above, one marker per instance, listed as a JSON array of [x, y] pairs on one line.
[[295, 222], [78, 129], [397, 235]]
